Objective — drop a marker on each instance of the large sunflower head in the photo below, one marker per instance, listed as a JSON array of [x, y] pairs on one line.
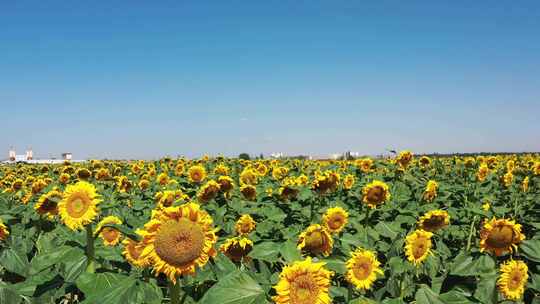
[[47, 204], [132, 252], [315, 240], [178, 239], [434, 220], [335, 219], [375, 193], [404, 158], [4, 232], [363, 268], [418, 246], [303, 282], [249, 176], [236, 248], [109, 235], [78, 206], [197, 174], [245, 225], [499, 236], [513, 278]]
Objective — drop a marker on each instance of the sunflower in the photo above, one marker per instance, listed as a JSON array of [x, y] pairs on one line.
[[226, 183], [110, 236], [335, 219], [486, 206], [245, 225], [132, 252], [249, 192], [179, 168], [83, 174], [262, 169], [430, 193], [508, 178], [404, 158], [303, 282], [364, 164], [279, 173], [499, 236], [362, 268], [326, 182], [348, 181], [4, 232], [197, 174], [434, 220], [123, 184], [236, 248], [208, 192], [525, 184], [315, 240], [249, 176], [64, 178], [513, 278], [375, 193], [38, 186], [48, 203], [536, 168], [418, 246], [221, 169], [482, 173], [144, 184], [177, 239], [163, 178], [424, 161], [16, 185], [78, 206], [102, 174], [168, 197]]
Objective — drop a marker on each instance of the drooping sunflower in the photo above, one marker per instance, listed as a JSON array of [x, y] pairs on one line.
[[513, 278], [508, 178], [430, 193], [109, 235], [418, 246], [221, 169], [375, 193], [482, 173], [249, 192], [38, 185], [123, 184], [363, 268], [303, 282], [132, 252], [245, 224], [102, 174], [326, 182], [78, 206], [196, 174], [434, 220], [83, 174], [208, 192], [226, 183], [144, 184], [499, 236], [424, 161], [315, 240], [236, 248], [335, 219], [48, 203], [249, 176], [178, 239], [525, 184], [4, 232], [404, 158]]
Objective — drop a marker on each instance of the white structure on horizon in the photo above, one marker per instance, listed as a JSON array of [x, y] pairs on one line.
[[277, 155], [29, 158]]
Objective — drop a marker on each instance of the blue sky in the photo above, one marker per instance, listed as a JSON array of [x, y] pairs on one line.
[[143, 79]]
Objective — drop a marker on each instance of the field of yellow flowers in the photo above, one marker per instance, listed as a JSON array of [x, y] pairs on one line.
[[405, 229]]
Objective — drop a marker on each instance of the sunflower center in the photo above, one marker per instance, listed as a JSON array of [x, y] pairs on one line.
[[515, 281], [362, 269], [420, 248], [179, 242], [314, 240], [77, 205], [109, 234], [335, 222], [500, 237], [433, 223], [375, 194], [304, 290]]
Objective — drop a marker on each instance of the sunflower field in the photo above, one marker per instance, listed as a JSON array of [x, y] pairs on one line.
[[402, 229]]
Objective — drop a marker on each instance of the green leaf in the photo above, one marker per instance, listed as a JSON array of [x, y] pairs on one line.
[[91, 283], [454, 297], [236, 288], [8, 295], [266, 251], [15, 262], [486, 290], [463, 265], [336, 265], [531, 249], [290, 252], [387, 230], [425, 295]]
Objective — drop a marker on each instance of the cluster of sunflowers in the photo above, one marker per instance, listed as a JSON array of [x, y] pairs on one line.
[[215, 230]]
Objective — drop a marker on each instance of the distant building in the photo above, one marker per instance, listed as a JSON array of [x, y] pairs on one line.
[[13, 157], [67, 156]]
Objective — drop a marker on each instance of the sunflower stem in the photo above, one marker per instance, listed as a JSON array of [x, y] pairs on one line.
[[471, 231], [174, 292], [90, 266]]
